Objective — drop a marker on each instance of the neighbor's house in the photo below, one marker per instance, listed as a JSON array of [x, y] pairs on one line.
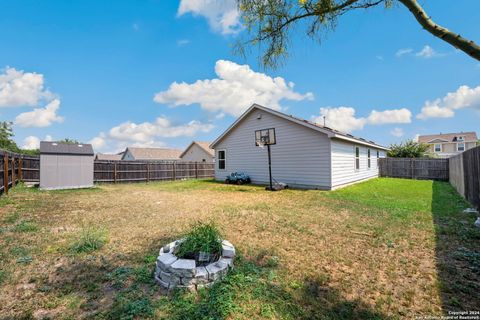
[[151, 154], [108, 156], [199, 151], [65, 165], [306, 155], [447, 145]]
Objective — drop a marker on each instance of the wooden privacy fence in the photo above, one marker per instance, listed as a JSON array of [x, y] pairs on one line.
[[414, 168], [465, 175], [136, 171], [17, 167]]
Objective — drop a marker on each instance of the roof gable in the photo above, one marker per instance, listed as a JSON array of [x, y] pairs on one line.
[[205, 146], [331, 133], [448, 137]]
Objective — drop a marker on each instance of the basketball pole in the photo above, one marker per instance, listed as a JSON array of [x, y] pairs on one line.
[[270, 166]]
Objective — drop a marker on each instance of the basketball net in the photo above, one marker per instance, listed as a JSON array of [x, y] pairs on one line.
[[260, 143]]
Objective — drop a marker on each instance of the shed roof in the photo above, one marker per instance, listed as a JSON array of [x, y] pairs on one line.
[[154, 153], [202, 144], [331, 133], [109, 157], [448, 137], [52, 147]]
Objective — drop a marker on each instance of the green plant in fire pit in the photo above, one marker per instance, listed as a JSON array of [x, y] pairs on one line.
[[203, 243]]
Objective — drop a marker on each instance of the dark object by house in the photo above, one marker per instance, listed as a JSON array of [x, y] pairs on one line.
[[238, 178], [65, 165]]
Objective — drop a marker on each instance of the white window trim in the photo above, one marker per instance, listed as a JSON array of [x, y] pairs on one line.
[[369, 159], [464, 146], [435, 147], [225, 160], [355, 157]]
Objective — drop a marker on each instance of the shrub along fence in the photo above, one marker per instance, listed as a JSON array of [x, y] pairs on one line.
[[465, 175], [414, 168]]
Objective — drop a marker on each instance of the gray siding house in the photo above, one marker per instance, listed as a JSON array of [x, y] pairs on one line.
[[306, 155], [198, 151], [65, 165]]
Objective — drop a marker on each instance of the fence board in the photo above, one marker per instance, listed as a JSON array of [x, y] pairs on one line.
[[465, 175], [414, 168]]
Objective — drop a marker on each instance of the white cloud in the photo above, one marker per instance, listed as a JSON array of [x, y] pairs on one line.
[[236, 89], [182, 42], [397, 132], [390, 116], [146, 134], [464, 97], [19, 88], [402, 52], [343, 118], [427, 52], [40, 117], [222, 15], [32, 142]]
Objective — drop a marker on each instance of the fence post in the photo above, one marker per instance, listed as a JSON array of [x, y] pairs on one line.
[[20, 164], [13, 171], [148, 171], [411, 169], [174, 171], [196, 170], [114, 172], [5, 173]]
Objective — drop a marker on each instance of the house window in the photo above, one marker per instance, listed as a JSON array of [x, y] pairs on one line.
[[378, 157], [221, 159], [368, 158], [357, 158], [461, 138], [461, 146], [438, 147]]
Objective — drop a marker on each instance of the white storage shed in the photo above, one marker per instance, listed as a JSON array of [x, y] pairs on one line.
[[65, 165]]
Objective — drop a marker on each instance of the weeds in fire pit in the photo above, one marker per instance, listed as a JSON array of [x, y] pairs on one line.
[[204, 237], [90, 239]]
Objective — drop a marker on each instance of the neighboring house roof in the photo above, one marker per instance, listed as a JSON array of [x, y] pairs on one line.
[[202, 144], [331, 133], [154, 153], [109, 157], [52, 147], [448, 137]]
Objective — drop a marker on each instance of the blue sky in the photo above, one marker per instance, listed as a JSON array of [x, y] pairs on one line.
[[161, 73]]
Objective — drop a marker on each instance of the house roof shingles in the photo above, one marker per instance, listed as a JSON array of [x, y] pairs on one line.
[[52, 147], [155, 153], [448, 137]]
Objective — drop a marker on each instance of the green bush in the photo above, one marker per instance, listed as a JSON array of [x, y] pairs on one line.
[[204, 237], [90, 239]]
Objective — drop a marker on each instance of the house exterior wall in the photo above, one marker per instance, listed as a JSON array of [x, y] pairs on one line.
[[449, 149], [301, 157], [65, 171], [343, 163], [196, 153]]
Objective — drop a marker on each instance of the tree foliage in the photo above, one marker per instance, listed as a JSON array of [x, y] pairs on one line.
[[69, 141], [270, 24], [7, 143], [408, 149]]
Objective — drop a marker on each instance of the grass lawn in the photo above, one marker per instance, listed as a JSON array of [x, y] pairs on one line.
[[386, 248]]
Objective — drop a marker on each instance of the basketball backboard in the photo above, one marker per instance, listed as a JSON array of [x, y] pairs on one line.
[[265, 137]]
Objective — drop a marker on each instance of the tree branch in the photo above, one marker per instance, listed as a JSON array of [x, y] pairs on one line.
[[467, 46]]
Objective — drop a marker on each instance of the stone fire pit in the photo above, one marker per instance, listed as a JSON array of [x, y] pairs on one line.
[[172, 272]]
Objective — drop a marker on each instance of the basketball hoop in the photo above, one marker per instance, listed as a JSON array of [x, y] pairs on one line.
[[260, 144], [266, 137]]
